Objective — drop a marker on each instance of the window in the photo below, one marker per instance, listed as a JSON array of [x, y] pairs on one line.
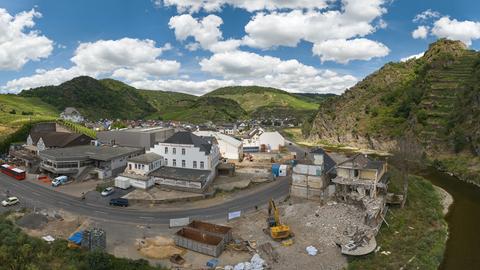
[[183, 163], [174, 151], [355, 173], [143, 167], [202, 164], [183, 151], [166, 162], [194, 164], [130, 166], [166, 150], [136, 166], [174, 162]]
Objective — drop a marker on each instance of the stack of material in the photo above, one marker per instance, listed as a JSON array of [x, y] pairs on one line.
[[95, 240]]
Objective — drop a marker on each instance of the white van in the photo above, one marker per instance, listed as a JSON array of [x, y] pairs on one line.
[[59, 180]]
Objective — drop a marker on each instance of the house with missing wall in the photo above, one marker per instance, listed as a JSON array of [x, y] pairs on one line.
[[363, 181], [138, 171]]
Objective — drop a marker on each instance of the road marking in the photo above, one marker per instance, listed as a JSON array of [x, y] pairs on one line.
[[100, 212], [36, 193], [147, 217]]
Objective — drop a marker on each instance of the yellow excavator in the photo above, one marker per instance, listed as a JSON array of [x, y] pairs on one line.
[[278, 231]]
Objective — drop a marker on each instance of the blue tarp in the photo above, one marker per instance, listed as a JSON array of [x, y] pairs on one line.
[[76, 237]]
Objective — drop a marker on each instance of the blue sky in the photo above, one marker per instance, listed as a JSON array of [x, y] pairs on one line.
[[196, 46]]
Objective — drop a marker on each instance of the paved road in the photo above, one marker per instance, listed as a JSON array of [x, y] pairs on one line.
[[39, 196]]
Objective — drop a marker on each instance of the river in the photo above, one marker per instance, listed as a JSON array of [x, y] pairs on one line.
[[463, 245]]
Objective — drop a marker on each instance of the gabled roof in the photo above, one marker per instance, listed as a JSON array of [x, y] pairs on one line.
[[220, 136], [185, 137], [70, 111], [60, 139], [328, 162], [361, 161]]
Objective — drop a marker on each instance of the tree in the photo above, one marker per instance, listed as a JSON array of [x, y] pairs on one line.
[[407, 154]]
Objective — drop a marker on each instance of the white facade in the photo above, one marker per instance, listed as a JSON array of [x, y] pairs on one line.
[[229, 147], [143, 169], [71, 114], [187, 156]]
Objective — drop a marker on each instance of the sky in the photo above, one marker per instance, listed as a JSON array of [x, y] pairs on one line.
[[195, 46]]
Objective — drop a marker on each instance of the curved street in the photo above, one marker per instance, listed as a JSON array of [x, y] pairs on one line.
[[32, 195]]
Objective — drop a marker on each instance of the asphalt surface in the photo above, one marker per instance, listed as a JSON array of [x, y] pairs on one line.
[[32, 195]]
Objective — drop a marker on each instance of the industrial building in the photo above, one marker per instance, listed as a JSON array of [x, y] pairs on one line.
[[83, 161], [135, 137]]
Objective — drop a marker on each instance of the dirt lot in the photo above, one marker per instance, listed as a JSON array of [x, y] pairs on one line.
[[319, 226], [243, 178]]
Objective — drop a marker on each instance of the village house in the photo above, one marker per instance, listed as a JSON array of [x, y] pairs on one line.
[[72, 114], [228, 129], [190, 162], [230, 148]]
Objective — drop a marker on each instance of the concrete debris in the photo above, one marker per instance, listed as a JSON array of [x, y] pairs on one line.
[[311, 250], [386, 253], [256, 263]]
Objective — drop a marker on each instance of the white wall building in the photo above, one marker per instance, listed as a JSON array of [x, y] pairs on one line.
[[229, 147], [190, 162], [272, 140], [259, 140]]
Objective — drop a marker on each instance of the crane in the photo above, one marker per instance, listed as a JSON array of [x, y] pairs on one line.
[[278, 231]]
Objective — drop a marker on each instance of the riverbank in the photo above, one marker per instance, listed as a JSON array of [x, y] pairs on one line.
[[413, 237], [445, 198]]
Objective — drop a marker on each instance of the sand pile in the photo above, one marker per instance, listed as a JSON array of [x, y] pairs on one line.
[[158, 247]]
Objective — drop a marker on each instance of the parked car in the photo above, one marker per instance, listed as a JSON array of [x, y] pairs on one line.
[[108, 191], [59, 181], [10, 201], [119, 202]]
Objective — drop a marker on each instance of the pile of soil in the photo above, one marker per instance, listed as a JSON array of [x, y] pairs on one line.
[[32, 221], [158, 248]]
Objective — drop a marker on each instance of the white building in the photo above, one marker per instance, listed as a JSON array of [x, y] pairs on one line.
[[230, 148], [228, 129], [259, 140], [190, 162], [72, 114], [137, 172]]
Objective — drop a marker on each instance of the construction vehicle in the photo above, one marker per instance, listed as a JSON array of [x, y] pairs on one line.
[[277, 230]]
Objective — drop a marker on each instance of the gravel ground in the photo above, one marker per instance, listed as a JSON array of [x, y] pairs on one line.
[[32, 221]]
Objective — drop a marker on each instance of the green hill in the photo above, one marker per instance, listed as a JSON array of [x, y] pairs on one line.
[[266, 102], [435, 97], [94, 99]]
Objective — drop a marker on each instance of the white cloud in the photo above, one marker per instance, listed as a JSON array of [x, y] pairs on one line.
[[17, 44], [126, 58], [206, 33], [343, 51], [42, 77], [249, 5], [427, 14], [356, 18], [465, 31], [420, 32], [184, 86], [415, 56], [248, 68]]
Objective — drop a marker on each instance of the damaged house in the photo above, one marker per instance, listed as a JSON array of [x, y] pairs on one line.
[[361, 180]]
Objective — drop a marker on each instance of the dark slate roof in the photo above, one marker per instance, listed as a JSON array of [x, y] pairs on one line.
[[328, 162], [185, 137], [361, 161], [60, 139], [145, 158]]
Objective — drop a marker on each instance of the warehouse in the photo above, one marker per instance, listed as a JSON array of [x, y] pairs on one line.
[[135, 137]]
